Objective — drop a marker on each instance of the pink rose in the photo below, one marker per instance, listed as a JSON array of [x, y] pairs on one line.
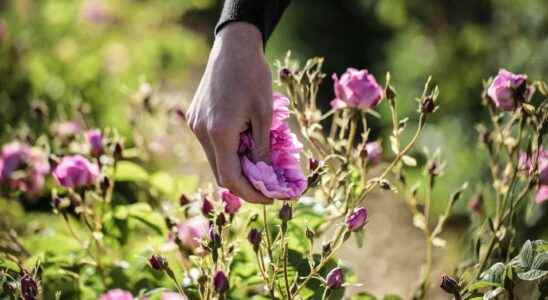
[[192, 231], [356, 88], [231, 202], [23, 168], [172, 296], [116, 294], [503, 89], [284, 178], [76, 171]]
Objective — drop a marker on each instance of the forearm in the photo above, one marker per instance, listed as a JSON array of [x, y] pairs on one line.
[[264, 14]]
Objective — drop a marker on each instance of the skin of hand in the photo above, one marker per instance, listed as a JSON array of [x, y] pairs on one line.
[[234, 94]]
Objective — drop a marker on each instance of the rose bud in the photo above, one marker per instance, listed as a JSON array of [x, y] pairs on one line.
[[502, 90], [428, 105], [220, 282], [105, 184], [326, 249], [285, 74], [214, 237], [255, 237], [356, 88], [357, 219], [207, 207], [183, 200], [313, 164], [95, 142], [118, 151], [372, 151], [221, 220], [335, 278], [157, 262], [449, 284], [286, 212], [231, 202], [309, 234], [76, 171], [29, 287]]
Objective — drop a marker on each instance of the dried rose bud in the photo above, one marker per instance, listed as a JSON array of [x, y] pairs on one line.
[[183, 200], [221, 220], [207, 207], [449, 284], [335, 278], [286, 212], [357, 219], [326, 249], [285, 74], [214, 237], [313, 164], [105, 184], [255, 237], [428, 105], [220, 282], [157, 262], [29, 287]]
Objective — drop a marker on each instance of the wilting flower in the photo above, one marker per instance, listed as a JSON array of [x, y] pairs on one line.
[[373, 152], [192, 231], [357, 219], [526, 164], [231, 202], [220, 282], [66, 129], [76, 171], [207, 207], [356, 88], [284, 178], [95, 142], [503, 89], [335, 278], [117, 294], [449, 284], [29, 287], [23, 168], [172, 296]]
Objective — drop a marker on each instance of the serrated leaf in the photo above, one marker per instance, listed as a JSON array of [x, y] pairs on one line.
[[532, 275], [540, 260], [526, 255], [494, 273], [409, 160]]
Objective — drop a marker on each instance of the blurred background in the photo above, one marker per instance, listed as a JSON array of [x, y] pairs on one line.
[[95, 56]]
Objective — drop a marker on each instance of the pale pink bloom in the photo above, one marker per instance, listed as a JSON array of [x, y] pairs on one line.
[[526, 164], [374, 152], [23, 168], [283, 179], [67, 129], [117, 294], [231, 202], [76, 171], [503, 89], [356, 88], [172, 296], [192, 231]]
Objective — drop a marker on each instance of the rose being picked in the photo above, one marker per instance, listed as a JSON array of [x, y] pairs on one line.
[[123, 231]]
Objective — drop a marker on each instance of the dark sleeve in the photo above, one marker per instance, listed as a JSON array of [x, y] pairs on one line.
[[264, 14]]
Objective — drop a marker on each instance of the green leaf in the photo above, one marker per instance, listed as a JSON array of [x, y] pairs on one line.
[[526, 255], [364, 296], [532, 275], [483, 284], [540, 260], [9, 265], [143, 213], [392, 297], [492, 294], [129, 171], [494, 273]]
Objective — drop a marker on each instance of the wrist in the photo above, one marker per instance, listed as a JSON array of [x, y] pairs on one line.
[[242, 35]]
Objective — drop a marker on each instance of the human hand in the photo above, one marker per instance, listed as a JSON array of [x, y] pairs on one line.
[[235, 94]]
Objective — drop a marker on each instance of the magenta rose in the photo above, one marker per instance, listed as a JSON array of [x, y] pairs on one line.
[[117, 294], [76, 171], [192, 231], [335, 278], [357, 219], [95, 142], [23, 168], [231, 202], [503, 89], [356, 88], [284, 179]]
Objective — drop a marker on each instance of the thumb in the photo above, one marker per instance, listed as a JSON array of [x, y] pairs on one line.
[[260, 129]]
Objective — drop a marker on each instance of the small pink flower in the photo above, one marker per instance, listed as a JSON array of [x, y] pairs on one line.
[[503, 89], [95, 142], [356, 88], [173, 296], [374, 152], [232, 202], [67, 129], [117, 294], [357, 219], [23, 168], [284, 178], [192, 231], [335, 278], [76, 171]]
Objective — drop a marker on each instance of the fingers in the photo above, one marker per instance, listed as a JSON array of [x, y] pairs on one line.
[[260, 128], [225, 142]]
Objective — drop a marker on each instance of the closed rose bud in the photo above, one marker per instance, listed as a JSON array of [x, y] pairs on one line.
[[357, 219], [183, 200], [29, 287], [157, 262], [449, 285], [285, 74], [286, 212], [326, 249], [118, 151], [335, 278], [313, 164], [255, 237], [428, 105], [214, 237], [231, 202], [220, 282], [221, 220], [95, 142], [207, 207]]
